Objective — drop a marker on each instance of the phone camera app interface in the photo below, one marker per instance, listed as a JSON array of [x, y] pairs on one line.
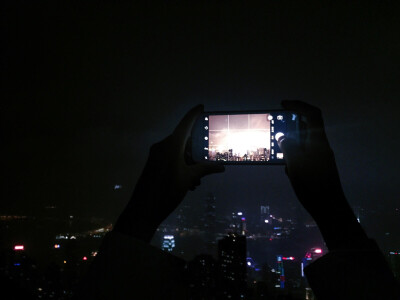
[[244, 137]]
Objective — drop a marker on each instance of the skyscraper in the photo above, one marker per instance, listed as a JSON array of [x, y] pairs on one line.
[[232, 267], [202, 276], [210, 223], [264, 214]]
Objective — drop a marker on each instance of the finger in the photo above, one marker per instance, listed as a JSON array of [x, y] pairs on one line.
[[207, 168], [315, 123], [290, 148], [184, 128]]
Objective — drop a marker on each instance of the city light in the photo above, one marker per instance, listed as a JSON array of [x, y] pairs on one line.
[[318, 250], [287, 258], [266, 221], [240, 213], [19, 247], [168, 243], [57, 246], [84, 258]]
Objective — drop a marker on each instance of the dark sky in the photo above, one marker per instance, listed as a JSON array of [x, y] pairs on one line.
[[87, 88]]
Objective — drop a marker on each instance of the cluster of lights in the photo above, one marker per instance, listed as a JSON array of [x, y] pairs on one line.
[[288, 258], [394, 253]]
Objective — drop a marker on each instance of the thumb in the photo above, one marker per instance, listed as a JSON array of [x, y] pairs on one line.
[[290, 148]]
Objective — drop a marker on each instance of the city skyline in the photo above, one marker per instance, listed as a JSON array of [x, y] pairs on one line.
[[88, 91], [240, 134], [276, 243]]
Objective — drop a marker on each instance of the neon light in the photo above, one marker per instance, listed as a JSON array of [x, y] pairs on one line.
[[19, 247]]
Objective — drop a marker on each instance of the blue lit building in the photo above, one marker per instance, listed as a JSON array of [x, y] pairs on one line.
[[168, 243]]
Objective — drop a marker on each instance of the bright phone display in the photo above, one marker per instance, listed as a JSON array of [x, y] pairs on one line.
[[242, 137]]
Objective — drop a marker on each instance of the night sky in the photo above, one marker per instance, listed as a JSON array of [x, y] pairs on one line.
[[87, 88]]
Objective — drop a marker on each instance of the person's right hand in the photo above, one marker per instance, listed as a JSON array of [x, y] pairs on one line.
[[311, 166]]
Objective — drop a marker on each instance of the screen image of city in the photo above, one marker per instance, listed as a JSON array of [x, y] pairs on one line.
[[239, 137]]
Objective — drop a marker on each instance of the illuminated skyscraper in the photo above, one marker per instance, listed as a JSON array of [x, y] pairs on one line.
[[202, 276], [238, 224], [210, 222], [168, 243], [264, 214], [232, 267]]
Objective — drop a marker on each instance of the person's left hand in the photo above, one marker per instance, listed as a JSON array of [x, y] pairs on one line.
[[166, 178], [167, 158]]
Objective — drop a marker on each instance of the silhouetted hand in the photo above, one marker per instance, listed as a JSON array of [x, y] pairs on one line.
[[310, 166], [312, 171], [165, 180]]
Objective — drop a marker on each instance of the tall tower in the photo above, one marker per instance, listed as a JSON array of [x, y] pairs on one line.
[[210, 222], [264, 215], [232, 267]]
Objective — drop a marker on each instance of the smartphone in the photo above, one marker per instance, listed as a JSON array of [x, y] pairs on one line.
[[243, 138]]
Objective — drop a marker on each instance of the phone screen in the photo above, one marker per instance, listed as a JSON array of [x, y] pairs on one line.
[[238, 138]]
